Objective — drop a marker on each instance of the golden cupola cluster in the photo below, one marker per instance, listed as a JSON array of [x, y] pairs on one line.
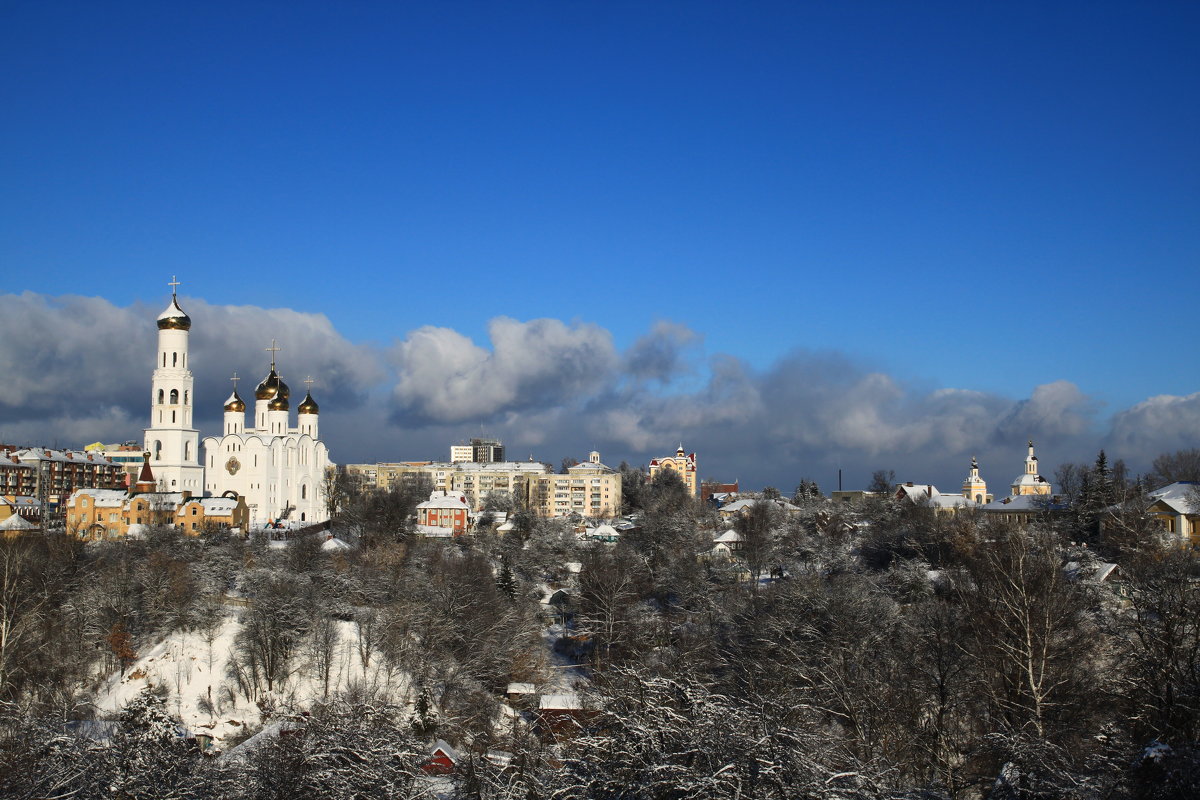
[[173, 318]]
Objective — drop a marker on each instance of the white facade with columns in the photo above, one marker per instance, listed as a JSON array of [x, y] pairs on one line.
[[171, 440]]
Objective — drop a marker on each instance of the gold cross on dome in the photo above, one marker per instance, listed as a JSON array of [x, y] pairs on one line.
[[174, 284], [235, 380], [273, 349], [308, 382]]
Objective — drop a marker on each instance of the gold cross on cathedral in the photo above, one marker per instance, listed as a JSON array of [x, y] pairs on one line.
[[235, 380], [308, 382], [273, 349], [174, 284]]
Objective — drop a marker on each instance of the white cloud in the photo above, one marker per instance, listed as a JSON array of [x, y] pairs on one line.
[[445, 377]]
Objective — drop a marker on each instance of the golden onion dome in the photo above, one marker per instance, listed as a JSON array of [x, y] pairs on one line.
[[280, 401], [174, 318], [268, 388], [309, 406], [235, 403]]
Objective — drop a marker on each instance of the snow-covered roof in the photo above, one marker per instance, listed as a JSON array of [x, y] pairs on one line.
[[560, 702], [917, 492], [729, 537], [1025, 479], [535, 467], [445, 747], [16, 523], [506, 527], [438, 500], [590, 466], [1025, 502], [103, 498], [334, 544], [1179, 496], [952, 501], [522, 688], [435, 532], [219, 506], [62, 456], [604, 530], [20, 502]]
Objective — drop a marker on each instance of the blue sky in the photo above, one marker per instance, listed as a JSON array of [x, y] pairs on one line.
[[982, 197]]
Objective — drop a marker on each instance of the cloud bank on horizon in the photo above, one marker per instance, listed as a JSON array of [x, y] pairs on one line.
[[77, 370]]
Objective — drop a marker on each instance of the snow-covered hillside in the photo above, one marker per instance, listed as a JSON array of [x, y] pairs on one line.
[[194, 668]]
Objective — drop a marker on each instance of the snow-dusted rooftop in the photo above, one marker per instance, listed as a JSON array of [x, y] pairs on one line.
[[1180, 496]]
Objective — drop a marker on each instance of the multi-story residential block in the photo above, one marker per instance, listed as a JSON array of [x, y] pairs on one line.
[[399, 473], [506, 479], [682, 464], [128, 456], [51, 475], [590, 489]]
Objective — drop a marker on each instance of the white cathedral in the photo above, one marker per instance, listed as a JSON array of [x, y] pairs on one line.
[[278, 468]]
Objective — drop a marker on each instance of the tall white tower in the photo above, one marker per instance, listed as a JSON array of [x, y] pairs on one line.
[[170, 439]]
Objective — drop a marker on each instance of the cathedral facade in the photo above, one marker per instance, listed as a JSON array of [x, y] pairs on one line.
[[276, 466]]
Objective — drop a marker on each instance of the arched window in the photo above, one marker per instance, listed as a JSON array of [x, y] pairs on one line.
[[185, 397], [187, 451], [174, 359], [174, 397], [303, 491], [164, 359], [157, 450], [161, 397]]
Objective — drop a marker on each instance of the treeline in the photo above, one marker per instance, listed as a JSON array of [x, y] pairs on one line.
[[882, 651]]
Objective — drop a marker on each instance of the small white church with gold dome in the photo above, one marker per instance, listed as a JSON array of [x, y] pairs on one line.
[[277, 467]]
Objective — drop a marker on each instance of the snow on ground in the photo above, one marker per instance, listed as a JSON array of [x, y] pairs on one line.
[[193, 666]]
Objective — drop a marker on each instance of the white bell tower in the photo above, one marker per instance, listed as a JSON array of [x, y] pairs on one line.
[[170, 439]]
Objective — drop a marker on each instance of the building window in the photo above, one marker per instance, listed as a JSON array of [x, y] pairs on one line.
[[160, 397], [174, 359], [174, 397]]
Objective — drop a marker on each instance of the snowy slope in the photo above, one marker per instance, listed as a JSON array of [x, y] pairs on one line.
[[192, 668]]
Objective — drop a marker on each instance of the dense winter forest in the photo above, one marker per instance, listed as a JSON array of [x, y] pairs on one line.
[[874, 651]]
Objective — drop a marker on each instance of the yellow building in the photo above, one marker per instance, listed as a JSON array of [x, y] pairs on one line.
[[975, 487], [590, 489], [683, 465], [1177, 508], [1030, 482], [113, 513]]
